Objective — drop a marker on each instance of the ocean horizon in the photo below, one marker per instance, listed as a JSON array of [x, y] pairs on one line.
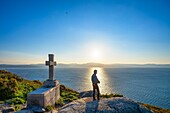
[[146, 85]]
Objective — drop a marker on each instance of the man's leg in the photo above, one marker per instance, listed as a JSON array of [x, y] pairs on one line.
[[94, 92], [98, 92]]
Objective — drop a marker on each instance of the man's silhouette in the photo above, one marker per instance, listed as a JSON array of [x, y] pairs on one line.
[[95, 82]]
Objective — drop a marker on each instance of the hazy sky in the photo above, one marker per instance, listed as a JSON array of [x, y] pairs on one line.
[[80, 31]]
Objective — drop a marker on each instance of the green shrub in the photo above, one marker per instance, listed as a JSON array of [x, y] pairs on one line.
[[13, 86], [18, 100], [111, 95], [37, 82], [50, 108], [9, 101], [18, 94], [17, 107], [156, 109], [60, 101], [69, 96], [1, 102]]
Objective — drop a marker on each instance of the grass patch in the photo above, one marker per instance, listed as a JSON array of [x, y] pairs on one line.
[[16, 88], [9, 101], [17, 100], [1, 102], [50, 108], [110, 95], [17, 107], [156, 109], [66, 95], [60, 102]]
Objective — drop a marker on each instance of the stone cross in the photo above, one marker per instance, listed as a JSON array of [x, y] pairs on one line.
[[51, 63]]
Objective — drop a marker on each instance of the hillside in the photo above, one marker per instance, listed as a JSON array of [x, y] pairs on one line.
[[16, 88]]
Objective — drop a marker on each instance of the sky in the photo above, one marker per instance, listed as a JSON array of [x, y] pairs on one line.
[[82, 31]]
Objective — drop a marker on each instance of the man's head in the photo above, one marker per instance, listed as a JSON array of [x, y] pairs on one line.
[[95, 71]]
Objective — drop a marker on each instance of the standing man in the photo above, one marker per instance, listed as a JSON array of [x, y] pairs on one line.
[[95, 82]]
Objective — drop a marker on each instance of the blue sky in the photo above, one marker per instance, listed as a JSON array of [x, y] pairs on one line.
[[80, 31]]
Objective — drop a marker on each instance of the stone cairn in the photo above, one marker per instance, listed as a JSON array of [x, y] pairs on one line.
[[49, 93]]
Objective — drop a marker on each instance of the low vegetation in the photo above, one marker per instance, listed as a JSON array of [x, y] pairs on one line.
[[156, 109], [16, 107], [60, 102], [1, 102], [16, 88], [50, 108], [111, 95], [67, 95]]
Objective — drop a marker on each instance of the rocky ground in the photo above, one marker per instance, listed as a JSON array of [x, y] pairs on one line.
[[86, 105], [105, 105]]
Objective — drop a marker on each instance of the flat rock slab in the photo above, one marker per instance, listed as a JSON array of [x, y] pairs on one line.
[[105, 105], [43, 96]]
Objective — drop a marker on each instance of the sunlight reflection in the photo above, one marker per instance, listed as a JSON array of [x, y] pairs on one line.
[[103, 78]]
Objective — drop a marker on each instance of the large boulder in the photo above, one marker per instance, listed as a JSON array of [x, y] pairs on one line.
[[105, 105]]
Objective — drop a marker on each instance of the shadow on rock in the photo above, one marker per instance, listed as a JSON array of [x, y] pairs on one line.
[[92, 107]]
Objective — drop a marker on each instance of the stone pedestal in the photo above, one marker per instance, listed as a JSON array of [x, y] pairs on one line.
[[50, 83], [44, 96], [49, 93]]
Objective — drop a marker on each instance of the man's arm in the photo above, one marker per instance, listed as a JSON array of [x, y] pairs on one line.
[[92, 79], [97, 80]]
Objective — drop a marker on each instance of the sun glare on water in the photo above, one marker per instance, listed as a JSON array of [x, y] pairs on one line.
[[103, 78]]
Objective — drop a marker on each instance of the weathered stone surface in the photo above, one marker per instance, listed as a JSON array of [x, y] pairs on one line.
[[49, 93], [111, 105], [36, 109], [24, 111], [51, 83], [51, 63], [44, 96]]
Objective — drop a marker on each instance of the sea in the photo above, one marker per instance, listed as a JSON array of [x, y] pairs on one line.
[[145, 85]]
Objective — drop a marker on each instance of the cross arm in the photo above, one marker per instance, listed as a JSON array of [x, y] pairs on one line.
[[50, 63]]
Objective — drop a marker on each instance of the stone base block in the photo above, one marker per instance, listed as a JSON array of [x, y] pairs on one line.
[[44, 96], [50, 83]]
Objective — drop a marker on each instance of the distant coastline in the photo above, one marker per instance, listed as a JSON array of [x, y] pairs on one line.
[[87, 65]]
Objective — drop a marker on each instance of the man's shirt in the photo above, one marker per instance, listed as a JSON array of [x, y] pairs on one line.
[[94, 79]]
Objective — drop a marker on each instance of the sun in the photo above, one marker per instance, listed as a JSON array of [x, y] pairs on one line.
[[96, 53]]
